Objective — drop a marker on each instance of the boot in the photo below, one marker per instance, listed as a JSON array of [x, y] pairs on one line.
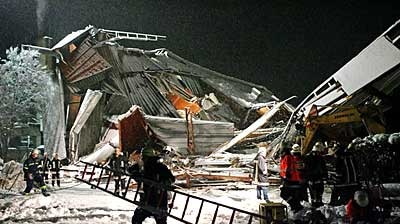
[[45, 193]]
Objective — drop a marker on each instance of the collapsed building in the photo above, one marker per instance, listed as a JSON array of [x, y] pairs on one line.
[[356, 111], [116, 95], [358, 100]]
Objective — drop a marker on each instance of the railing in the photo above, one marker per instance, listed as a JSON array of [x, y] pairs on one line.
[[119, 35]]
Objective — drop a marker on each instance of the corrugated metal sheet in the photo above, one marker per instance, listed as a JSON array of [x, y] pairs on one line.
[[84, 62], [142, 92], [125, 60], [208, 135], [379, 57]]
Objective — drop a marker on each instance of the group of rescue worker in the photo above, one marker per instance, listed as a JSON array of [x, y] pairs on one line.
[[301, 172], [36, 170], [298, 173]]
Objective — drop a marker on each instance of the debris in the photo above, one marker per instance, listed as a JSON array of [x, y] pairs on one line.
[[11, 177], [253, 127]]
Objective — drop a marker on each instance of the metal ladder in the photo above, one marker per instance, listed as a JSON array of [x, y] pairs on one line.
[[88, 176], [120, 35]]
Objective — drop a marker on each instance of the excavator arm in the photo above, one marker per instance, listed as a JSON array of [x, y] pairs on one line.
[[346, 115]]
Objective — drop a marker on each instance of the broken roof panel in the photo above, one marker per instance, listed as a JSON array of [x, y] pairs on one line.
[[127, 59], [377, 66], [378, 58], [141, 91], [208, 135], [72, 37], [83, 63]]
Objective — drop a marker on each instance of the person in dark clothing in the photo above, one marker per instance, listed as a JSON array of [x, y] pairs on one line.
[[55, 170], [119, 164], [316, 174], [291, 188], [299, 174], [157, 178], [32, 174], [262, 174], [45, 163], [345, 179]]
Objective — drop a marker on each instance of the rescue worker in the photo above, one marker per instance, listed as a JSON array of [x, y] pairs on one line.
[[262, 178], [119, 164], [45, 163], [345, 180], [359, 209], [136, 169], [55, 170], [290, 190], [316, 174], [157, 178], [32, 174], [299, 174]]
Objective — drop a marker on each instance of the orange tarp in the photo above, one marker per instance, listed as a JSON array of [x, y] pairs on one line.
[[180, 103]]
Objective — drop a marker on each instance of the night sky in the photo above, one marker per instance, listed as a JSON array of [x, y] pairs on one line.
[[288, 46]]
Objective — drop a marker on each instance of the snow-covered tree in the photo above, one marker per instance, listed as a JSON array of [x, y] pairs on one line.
[[24, 88]]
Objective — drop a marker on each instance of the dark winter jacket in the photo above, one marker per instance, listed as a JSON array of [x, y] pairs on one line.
[[315, 167], [55, 165], [45, 162], [119, 164], [155, 193], [32, 166]]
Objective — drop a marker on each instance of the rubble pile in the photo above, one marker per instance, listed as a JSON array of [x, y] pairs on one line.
[[377, 157], [11, 177]]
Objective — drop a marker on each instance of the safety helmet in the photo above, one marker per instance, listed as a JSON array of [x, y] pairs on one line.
[[148, 152], [36, 151], [295, 148], [262, 150], [361, 198], [318, 147]]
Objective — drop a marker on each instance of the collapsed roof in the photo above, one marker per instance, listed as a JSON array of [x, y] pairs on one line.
[[149, 78], [159, 81]]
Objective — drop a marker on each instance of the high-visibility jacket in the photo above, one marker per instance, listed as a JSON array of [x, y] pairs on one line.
[[286, 166], [298, 168]]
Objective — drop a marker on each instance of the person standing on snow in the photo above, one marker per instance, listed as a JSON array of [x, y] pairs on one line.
[[32, 174], [262, 177], [316, 174], [119, 164], [55, 170], [299, 175], [45, 163], [290, 179], [157, 178]]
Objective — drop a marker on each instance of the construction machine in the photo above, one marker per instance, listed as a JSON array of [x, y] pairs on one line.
[[341, 123]]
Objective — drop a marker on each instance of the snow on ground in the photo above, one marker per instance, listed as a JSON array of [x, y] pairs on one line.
[[77, 203], [74, 204]]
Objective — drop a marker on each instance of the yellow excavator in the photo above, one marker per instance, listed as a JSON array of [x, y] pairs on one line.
[[336, 124]]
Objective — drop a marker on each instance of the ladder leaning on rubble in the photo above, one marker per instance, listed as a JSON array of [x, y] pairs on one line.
[[88, 176]]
